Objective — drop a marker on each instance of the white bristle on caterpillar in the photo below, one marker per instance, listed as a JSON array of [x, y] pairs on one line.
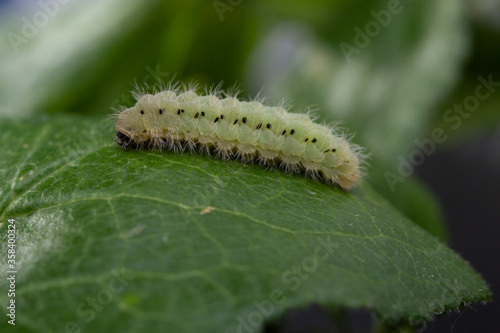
[[179, 119]]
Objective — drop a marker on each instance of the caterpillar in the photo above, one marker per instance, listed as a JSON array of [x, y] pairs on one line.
[[219, 123]]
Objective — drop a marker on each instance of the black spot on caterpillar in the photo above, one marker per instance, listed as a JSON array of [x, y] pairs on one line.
[[178, 126]]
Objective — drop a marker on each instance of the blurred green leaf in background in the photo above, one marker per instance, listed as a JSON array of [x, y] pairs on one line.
[[203, 241]]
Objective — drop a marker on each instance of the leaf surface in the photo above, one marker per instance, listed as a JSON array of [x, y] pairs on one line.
[[116, 240]]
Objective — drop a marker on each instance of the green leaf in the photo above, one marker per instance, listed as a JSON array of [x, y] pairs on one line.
[[133, 241], [413, 199]]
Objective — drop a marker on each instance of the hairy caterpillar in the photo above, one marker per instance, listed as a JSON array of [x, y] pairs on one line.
[[179, 119]]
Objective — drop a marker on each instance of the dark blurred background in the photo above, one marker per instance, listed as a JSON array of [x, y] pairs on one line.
[[391, 71]]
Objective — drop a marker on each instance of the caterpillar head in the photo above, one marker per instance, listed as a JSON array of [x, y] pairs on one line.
[[130, 127]]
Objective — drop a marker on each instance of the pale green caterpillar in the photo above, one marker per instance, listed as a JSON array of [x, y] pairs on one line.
[[177, 119]]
